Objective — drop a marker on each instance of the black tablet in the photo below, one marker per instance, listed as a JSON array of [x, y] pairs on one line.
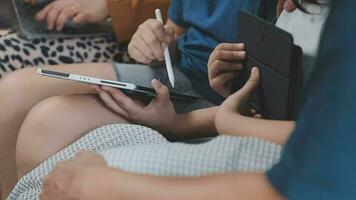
[[129, 88], [272, 50]]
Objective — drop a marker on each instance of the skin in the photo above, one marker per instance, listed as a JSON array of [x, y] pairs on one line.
[[23, 90], [87, 177], [224, 65], [36, 96], [227, 117], [36, 89], [151, 38], [57, 13]]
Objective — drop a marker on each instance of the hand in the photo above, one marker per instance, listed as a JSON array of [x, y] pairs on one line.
[[80, 178], [159, 114], [150, 41], [59, 12], [224, 65], [287, 5], [239, 102]]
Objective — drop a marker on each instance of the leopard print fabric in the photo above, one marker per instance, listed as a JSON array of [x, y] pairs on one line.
[[17, 53]]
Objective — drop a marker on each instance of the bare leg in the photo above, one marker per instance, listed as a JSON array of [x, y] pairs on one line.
[[57, 122], [19, 92]]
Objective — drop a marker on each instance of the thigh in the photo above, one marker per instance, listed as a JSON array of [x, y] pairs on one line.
[[98, 140], [57, 122], [28, 88], [17, 53]]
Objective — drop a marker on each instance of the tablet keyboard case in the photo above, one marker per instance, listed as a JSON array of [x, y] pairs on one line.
[[271, 49]]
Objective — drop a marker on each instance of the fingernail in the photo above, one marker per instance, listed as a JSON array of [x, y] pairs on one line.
[[243, 54], [164, 46], [105, 88], [156, 83], [241, 45], [254, 70]]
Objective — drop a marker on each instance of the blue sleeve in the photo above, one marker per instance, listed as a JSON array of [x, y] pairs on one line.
[[319, 160], [175, 13]]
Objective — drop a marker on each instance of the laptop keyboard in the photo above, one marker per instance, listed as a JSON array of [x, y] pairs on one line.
[[31, 28]]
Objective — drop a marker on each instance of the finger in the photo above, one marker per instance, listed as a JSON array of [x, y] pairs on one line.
[[52, 16], [111, 103], [126, 103], [229, 55], [142, 45], [218, 67], [157, 29], [43, 13], [169, 34], [289, 6], [258, 116], [231, 46], [137, 55], [252, 82], [95, 87], [222, 79], [153, 39], [253, 111], [161, 90], [63, 17], [222, 84], [81, 18]]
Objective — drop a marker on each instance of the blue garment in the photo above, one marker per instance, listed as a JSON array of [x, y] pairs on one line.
[[319, 160], [208, 23]]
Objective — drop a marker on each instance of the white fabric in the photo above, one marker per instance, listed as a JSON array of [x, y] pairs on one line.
[[142, 150]]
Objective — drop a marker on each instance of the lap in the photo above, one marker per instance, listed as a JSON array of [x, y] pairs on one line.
[[56, 122], [219, 155], [142, 150]]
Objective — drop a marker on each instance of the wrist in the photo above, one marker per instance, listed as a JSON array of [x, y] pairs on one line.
[[173, 126], [223, 119]]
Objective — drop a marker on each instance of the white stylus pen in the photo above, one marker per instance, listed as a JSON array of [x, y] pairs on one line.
[[167, 56]]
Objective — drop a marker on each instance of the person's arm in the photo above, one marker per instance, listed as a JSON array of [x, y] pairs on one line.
[[232, 186], [234, 117], [195, 124], [88, 177], [160, 113], [232, 123]]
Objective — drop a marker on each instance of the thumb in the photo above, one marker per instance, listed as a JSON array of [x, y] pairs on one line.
[[169, 34], [252, 82], [161, 90]]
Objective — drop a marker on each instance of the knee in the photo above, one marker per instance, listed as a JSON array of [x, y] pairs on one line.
[[36, 133], [12, 95]]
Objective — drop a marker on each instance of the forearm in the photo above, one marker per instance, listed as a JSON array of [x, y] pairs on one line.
[[236, 124], [225, 187], [198, 123]]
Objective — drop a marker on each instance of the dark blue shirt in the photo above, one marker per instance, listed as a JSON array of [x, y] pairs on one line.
[[319, 161], [208, 23]]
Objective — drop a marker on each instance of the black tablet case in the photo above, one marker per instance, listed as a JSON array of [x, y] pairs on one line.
[[272, 50]]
